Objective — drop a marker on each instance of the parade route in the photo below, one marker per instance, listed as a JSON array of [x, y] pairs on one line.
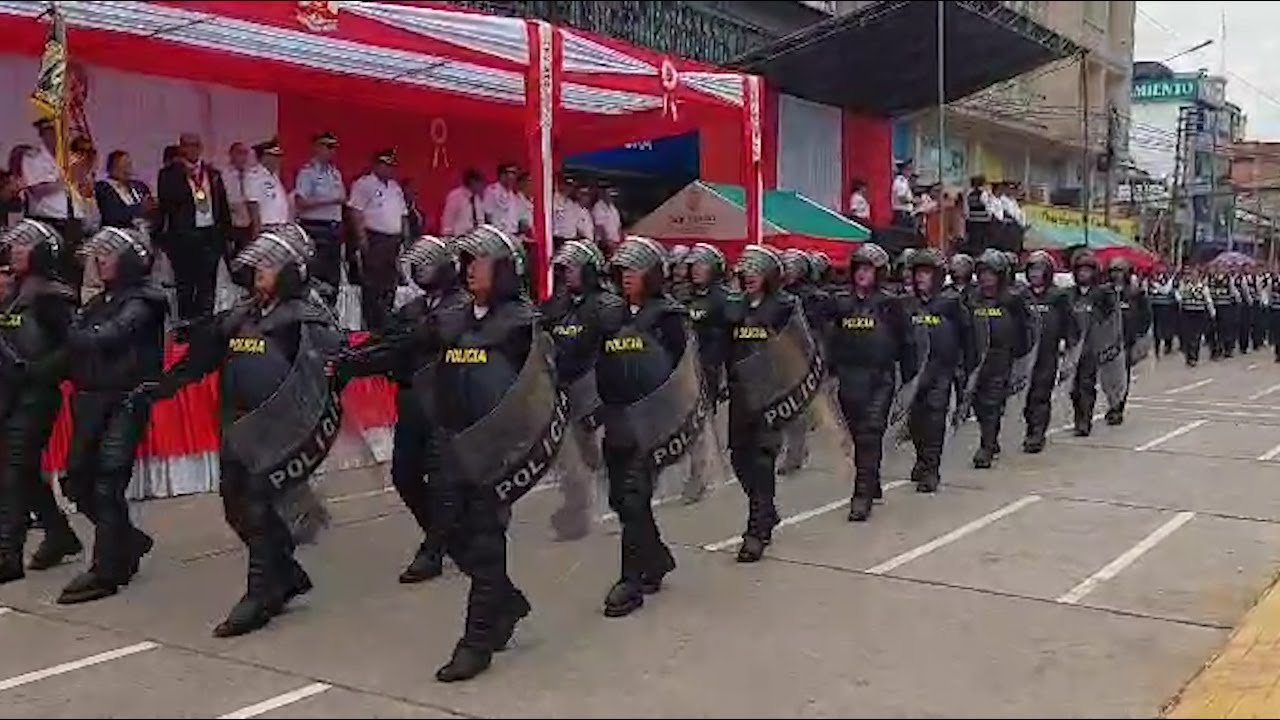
[[1095, 579]]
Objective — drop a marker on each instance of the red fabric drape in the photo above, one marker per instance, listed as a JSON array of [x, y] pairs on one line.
[[867, 149]]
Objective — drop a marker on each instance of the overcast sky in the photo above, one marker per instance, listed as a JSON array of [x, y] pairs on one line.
[[1252, 51]]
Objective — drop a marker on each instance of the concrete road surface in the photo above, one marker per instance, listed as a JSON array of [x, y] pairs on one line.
[[1095, 579]]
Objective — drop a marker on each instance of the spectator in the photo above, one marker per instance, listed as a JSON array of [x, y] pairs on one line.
[[379, 218], [501, 203], [194, 222], [123, 201], [463, 206], [859, 206], [607, 219]]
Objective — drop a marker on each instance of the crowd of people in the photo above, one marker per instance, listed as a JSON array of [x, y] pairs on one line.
[[200, 215]]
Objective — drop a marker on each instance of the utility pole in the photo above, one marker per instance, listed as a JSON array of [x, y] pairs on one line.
[[942, 96], [1177, 187], [1086, 164], [1113, 129]]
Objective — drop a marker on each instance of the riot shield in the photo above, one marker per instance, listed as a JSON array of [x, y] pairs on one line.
[[511, 448], [667, 421], [1106, 338], [905, 397], [1140, 349], [584, 399], [780, 379], [287, 437], [1020, 374], [964, 404]]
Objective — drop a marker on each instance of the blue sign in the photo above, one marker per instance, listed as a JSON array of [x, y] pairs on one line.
[[665, 156]]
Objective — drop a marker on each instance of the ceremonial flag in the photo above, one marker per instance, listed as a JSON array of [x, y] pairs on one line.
[[50, 94]]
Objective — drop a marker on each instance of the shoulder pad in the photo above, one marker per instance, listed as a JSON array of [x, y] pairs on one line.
[[151, 293], [668, 304], [520, 311], [57, 290], [608, 301]]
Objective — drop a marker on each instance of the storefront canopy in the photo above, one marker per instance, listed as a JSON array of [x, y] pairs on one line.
[[716, 213], [883, 59], [563, 90]]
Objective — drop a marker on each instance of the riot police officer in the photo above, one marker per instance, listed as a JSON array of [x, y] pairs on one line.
[[950, 352], [1164, 312], [1053, 307], [870, 337], [960, 274], [407, 353], [1196, 313], [1091, 302], [766, 394], [115, 345], [1135, 318], [573, 315], [710, 299], [645, 345], [1226, 312], [1005, 332], [35, 314], [796, 274], [280, 415], [501, 419]]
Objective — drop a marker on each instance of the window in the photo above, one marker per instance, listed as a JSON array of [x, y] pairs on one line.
[[1097, 13]]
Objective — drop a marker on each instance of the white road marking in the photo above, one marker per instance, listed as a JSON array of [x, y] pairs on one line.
[[360, 495], [1271, 454], [1252, 366], [28, 678], [798, 518], [896, 562], [1237, 404], [1115, 567], [1264, 393], [1206, 412], [276, 702], [5, 610], [1192, 386], [1170, 435]]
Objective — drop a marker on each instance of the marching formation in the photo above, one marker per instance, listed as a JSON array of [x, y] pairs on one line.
[[634, 364]]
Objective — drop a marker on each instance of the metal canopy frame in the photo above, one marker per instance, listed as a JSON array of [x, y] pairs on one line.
[[884, 57]]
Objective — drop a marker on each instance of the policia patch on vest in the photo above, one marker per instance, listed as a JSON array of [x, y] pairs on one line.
[[512, 447], [781, 378]]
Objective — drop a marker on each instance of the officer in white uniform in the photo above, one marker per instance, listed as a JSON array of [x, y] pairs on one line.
[[606, 218], [464, 206], [47, 199], [264, 193], [502, 202], [570, 219], [380, 220], [320, 194], [902, 199]]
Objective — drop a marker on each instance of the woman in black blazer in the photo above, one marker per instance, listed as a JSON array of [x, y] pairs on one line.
[[122, 201]]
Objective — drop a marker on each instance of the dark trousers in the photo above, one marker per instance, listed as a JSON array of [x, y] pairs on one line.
[[1040, 393], [248, 504], [1258, 332], [1193, 326], [632, 477], [927, 423], [194, 255], [1084, 395], [1164, 325], [326, 266], [1223, 331], [70, 264], [410, 462], [23, 491], [474, 524], [753, 452], [1275, 329], [989, 396], [865, 397], [1244, 327], [380, 275], [106, 430]]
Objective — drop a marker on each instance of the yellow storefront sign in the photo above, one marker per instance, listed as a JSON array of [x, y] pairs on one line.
[[1066, 217]]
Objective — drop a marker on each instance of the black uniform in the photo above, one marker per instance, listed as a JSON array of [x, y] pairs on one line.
[[815, 303], [573, 319], [753, 445], [1053, 306], [409, 348], [870, 336], [1273, 292], [951, 352], [641, 348], [115, 345], [963, 294], [1097, 301], [1008, 337], [1195, 307], [34, 320], [1135, 309], [709, 310]]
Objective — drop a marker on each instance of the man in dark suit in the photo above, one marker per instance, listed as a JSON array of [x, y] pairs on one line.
[[194, 223]]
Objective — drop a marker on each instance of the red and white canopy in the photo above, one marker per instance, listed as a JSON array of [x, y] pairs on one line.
[[568, 90]]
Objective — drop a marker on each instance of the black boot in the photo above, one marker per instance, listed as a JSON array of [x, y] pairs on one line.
[[87, 587], [1115, 417], [928, 482], [427, 564], [624, 598], [751, 550], [297, 583], [1033, 444], [11, 569], [983, 457], [249, 614], [141, 544], [859, 508], [466, 663], [651, 579], [514, 610], [57, 546]]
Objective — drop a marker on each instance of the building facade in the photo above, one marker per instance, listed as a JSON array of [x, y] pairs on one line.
[[1047, 128]]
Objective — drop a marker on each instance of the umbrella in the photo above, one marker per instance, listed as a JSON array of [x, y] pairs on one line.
[[1232, 260]]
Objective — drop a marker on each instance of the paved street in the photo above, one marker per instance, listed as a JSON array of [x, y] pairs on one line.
[[1095, 579]]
